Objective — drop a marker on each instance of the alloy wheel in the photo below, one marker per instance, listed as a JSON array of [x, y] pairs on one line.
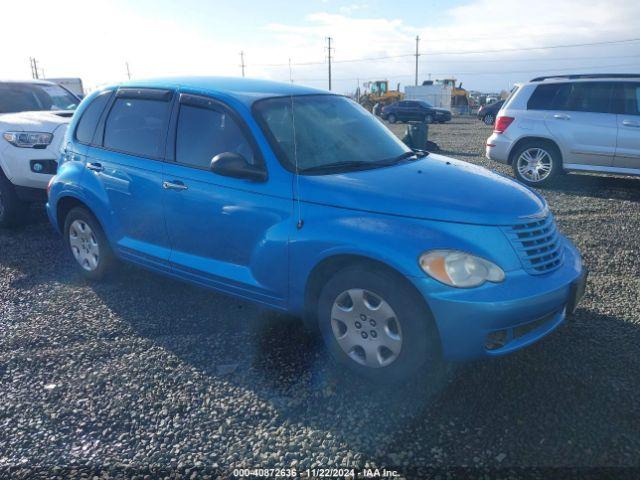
[[534, 164], [84, 245], [366, 328], [489, 119]]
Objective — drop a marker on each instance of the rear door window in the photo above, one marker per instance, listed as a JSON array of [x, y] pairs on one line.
[[137, 126], [594, 97], [90, 116], [206, 130]]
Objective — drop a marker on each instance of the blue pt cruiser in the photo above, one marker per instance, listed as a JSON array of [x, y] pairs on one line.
[[301, 200]]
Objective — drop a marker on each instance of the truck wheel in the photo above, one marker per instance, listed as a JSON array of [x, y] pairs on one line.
[[378, 328], [12, 210], [87, 243], [392, 118]]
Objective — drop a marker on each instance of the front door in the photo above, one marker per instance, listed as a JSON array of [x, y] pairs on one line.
[[628, 147], [227, 233]]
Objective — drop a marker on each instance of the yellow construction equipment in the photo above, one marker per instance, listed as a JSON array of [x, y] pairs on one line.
[[378, 92]]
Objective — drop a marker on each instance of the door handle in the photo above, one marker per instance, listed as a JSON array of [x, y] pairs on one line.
[[175, 185], [96, 167], [630, 123], [562, 116]]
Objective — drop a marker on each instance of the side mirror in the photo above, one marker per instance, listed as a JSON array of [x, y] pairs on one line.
[[231, 164]]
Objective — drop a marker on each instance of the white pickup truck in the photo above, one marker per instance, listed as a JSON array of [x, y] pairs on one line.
[[34, 116]]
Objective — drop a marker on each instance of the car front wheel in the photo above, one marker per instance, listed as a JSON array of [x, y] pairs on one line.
[[428, 119], [378, 328], [87, 243], [391, 118], [536, 163]]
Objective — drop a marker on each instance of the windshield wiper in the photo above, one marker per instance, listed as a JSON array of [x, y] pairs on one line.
[[348, 164], [404, 156]]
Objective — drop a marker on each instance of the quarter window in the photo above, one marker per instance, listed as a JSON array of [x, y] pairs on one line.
[[90, 117], [203, 133], [137, 126]]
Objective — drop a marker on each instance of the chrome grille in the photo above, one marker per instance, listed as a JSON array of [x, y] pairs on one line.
[[538, 245]]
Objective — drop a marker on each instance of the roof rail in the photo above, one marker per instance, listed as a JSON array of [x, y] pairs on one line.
[[588, 75]]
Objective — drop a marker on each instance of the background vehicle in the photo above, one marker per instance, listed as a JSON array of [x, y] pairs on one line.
[[194, 178], [488, 113], [587, 122], [377, 92], [73, 84], [412, 110], [33, 119]]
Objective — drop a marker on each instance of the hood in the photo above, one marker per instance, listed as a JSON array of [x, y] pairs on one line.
[[433, 188], [44, 121], [443, 110]]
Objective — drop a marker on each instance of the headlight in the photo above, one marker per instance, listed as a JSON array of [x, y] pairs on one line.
[[28, 139], [460, 269]]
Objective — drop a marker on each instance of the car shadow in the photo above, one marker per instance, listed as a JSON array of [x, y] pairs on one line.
[[597, 186], [530, 406]]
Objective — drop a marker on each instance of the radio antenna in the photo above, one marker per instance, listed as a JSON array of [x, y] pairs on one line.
[[300, 222]]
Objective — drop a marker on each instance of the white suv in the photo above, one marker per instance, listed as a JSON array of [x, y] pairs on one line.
[[33, 120], [573, 122]]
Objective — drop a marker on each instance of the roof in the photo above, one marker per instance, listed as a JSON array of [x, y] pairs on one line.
[[246, 90], [587, 77], [30, 81]]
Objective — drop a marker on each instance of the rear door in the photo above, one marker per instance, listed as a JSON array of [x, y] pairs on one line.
[[628, 108], [581, 119], [404, 110], [126, 171]]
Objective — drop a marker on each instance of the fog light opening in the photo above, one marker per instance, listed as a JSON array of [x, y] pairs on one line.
[[495, 340], [37, 167]]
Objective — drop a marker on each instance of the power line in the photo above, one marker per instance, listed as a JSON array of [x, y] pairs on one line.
[[465, 52]]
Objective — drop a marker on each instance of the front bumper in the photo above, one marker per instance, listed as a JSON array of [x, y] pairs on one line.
[[525, 307]]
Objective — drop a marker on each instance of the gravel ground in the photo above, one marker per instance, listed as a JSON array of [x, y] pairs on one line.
[[145, 375]]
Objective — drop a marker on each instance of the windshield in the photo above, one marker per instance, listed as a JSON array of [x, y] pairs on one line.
[[28, 97], [328, 130], [426, 104]]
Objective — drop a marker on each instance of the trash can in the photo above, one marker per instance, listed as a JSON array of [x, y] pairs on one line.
[[416, 135]]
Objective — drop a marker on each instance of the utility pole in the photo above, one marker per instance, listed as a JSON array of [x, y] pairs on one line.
[[128, 71], [417, 55], [329, 49], [290, 76], [242, 62], [34, 68]]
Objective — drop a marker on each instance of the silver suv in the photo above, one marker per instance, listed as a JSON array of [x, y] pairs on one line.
[[573, 122]]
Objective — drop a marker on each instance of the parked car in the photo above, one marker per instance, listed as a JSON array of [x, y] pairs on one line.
[[302, 201], [33, 119], [574, 122], [488, 113], [414, 110]]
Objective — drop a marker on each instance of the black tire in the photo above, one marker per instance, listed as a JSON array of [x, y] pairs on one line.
[[391, 118], [105, 258], [428, 118], [420, 350], [12, 210], [489, 119], [532, 146]]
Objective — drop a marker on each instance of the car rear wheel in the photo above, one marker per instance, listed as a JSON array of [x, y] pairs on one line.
[[87, 243], [392, 118], [377, 328], [12, 209], [489, 119], [536, 163]]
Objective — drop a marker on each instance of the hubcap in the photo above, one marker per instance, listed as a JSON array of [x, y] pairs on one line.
[[84, 245], [366, 328], [534, 164]]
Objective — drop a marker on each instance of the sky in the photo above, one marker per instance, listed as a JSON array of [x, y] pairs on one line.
[[486, 44]]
